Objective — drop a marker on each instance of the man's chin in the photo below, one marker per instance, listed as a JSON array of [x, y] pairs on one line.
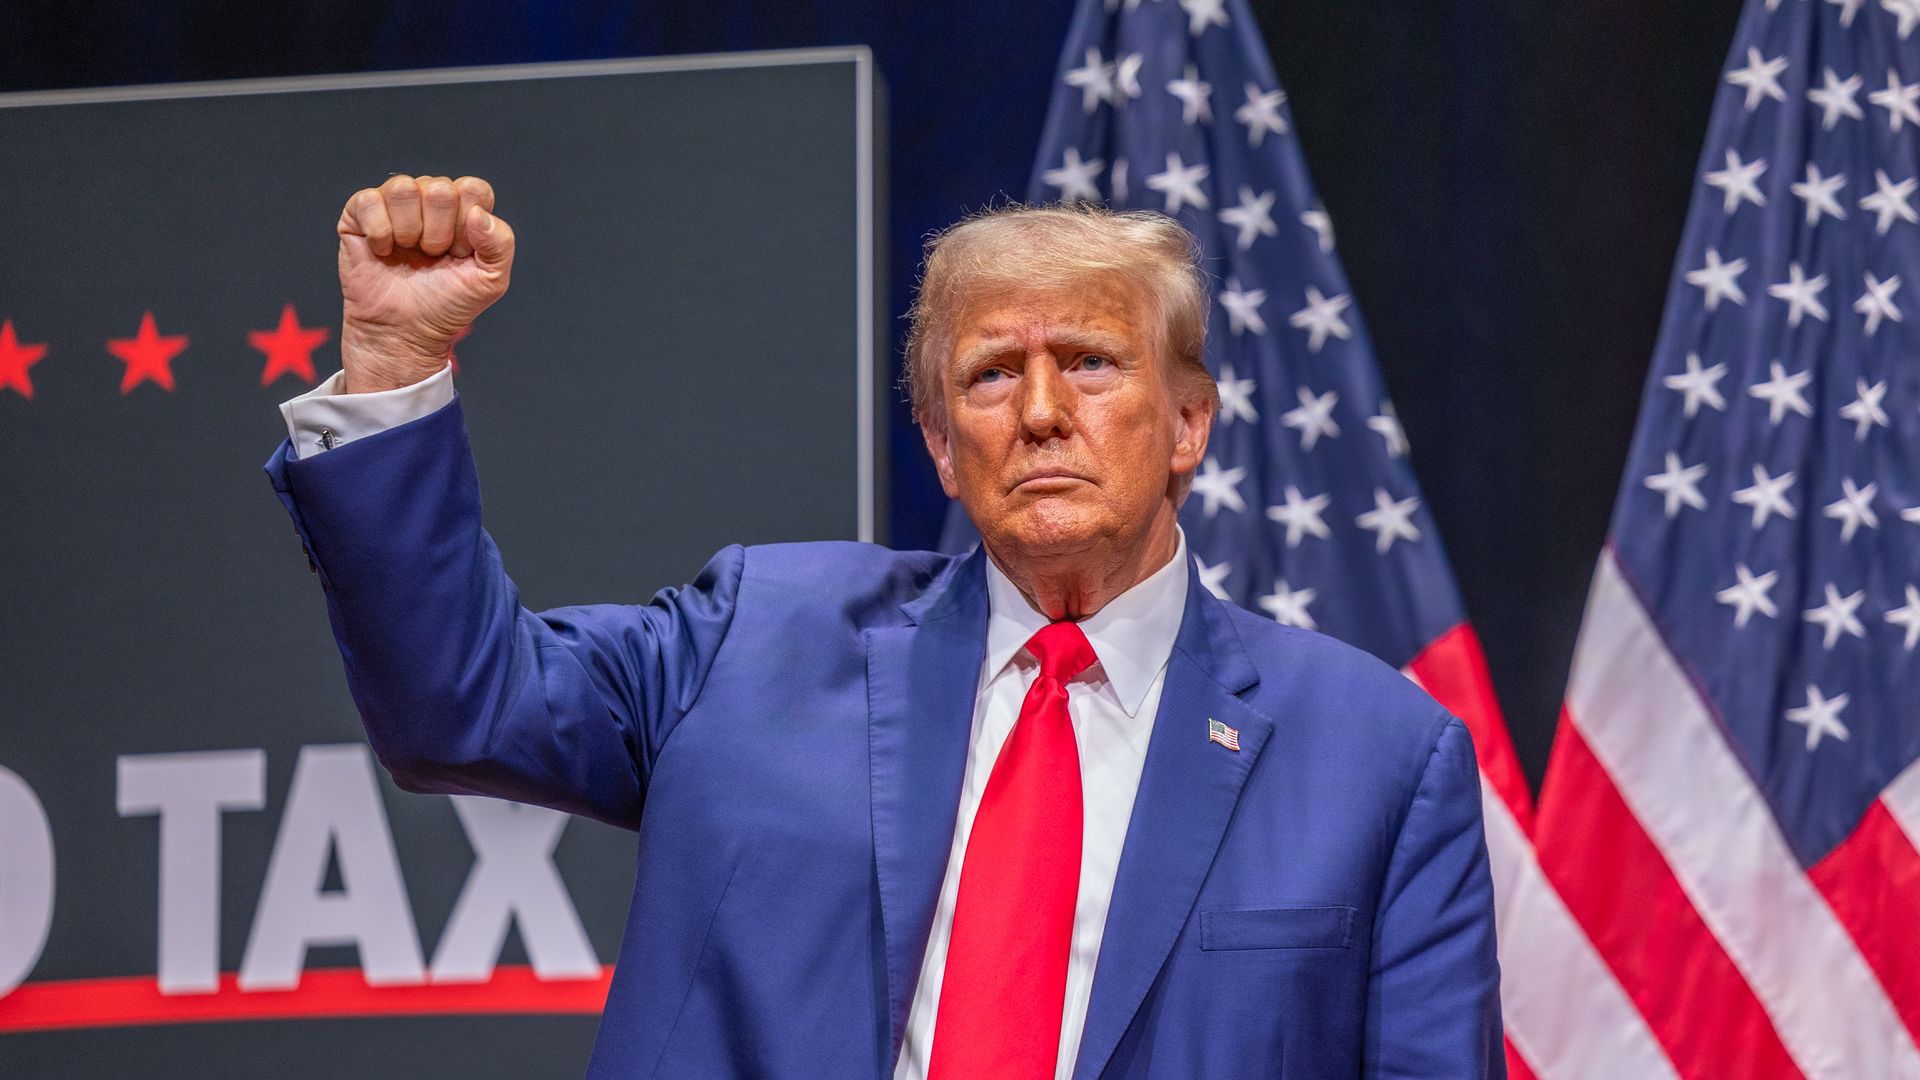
[[1048, 528]]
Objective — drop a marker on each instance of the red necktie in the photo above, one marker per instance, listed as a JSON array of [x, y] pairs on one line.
[[1006, 976]]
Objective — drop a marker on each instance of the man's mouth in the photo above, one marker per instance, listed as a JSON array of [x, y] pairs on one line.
[[1051, 478]]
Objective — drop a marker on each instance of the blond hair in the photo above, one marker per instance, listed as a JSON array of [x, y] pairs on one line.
[[1019, 247]]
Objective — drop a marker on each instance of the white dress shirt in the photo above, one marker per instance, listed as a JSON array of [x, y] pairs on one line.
[[326, 416], [1112, 706]]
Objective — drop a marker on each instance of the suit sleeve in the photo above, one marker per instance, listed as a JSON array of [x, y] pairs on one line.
[[1433, 996], [461, 688]]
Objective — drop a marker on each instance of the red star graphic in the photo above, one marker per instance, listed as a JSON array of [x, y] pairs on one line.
[[457, 339], [148, 356], [15, 359], [289, 348]]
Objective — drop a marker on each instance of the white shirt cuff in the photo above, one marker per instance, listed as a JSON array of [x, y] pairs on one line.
[[325, 417]]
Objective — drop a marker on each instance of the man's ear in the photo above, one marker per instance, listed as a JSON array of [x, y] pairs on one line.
[[934, 430], [1190, 440]]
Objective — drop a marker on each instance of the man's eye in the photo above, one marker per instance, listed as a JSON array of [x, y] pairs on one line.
[[992, 374], [1095, 362]]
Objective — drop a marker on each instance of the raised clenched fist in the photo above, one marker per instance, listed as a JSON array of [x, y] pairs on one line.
[[420, 258]]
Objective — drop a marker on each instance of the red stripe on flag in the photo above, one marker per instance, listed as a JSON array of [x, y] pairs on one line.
[[330, 992], [1619, 887], [1517, 1067], [1454, 670], [1872, 882]]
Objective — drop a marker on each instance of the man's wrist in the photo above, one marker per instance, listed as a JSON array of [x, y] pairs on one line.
[[372, 360]]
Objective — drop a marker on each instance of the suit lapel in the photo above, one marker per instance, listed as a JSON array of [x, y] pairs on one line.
[[1188, 789], [921, 682]]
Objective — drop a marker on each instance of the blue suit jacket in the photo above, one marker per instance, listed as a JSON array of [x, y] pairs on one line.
[[788, 733]]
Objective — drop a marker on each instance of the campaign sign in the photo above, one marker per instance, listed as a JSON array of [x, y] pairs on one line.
[[203, 871]]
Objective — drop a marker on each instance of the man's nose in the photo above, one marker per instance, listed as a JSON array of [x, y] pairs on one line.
[[1047, 408]]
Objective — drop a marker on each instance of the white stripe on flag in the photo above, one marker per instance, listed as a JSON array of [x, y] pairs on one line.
[[1902, 799], [1564, 1010], [1647, 725]]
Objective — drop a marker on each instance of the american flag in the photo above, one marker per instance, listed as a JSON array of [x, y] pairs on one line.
[[1228, 737], [1727, 835], [1305, 508]]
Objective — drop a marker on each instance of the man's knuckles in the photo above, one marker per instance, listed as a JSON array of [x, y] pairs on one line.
[[476, 191]]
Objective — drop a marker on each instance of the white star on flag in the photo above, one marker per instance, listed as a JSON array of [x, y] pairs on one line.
[[1213, 578], [1767, 496], [1898, 100], [1288, 606], [1865, 410], [1837, 616], [1700, 385], [1126, 78], [1301, 516], [1877, 302], [1095, 80], [1821, 716], [1836, 99], [1118, 178], [1848, 9], [1907, 12], [1721, 280], [1801, 293], [1737, 180], [1889, 201], [1387, 425], [1389, 520], [1261, 113], [1180, 184], [1761, 78], [1217, 487], [1908, 616], [1749, 595], [1236, 397], [1313, 418], [1074, 177], [1782, 392], [1243, 307], [1679, 484], [1204, 13], [1193, 95], [1322, 225], [1853, 508], [1253, 217], [1321, 317], [1818, 193]]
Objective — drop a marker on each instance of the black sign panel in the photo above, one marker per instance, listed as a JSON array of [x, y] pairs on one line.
[[202, 871]]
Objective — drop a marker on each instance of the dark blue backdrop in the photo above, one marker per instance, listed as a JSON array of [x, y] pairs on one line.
[[1508, 181]]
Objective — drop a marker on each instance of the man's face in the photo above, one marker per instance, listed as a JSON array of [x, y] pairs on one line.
[[1062, 433]]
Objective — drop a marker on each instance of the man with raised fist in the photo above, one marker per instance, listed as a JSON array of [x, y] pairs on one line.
[[1046, 811]]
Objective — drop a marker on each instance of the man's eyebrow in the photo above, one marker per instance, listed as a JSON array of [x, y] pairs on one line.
[[1078, 339]]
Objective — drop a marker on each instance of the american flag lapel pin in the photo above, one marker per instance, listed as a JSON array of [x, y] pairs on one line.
[[1222, 734]]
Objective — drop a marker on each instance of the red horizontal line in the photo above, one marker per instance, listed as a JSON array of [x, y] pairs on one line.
[[332, 992]]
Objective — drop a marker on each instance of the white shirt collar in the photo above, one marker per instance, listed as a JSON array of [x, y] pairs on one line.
[[1133, 635]]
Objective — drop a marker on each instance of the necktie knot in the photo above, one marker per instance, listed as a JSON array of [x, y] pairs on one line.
[[1063, 651]]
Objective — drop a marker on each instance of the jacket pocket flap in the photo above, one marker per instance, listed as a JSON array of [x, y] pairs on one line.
[[1325, 926]]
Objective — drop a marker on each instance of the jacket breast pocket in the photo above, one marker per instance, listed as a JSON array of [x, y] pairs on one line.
[[1306, 926]]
